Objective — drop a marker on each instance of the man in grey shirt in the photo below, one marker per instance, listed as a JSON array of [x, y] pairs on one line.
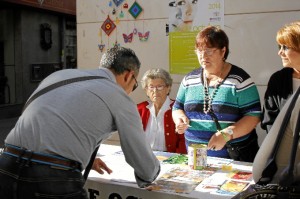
[[56, 134]]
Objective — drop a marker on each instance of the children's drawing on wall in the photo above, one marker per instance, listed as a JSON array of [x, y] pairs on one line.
[[186, 19], [181, 15], [194, 15], [119, 15]]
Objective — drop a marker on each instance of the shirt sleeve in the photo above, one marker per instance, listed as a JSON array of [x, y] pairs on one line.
[[180, 98], [249, 101], [137, 151]]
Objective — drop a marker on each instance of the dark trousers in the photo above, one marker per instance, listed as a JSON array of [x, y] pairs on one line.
[[22, 179]]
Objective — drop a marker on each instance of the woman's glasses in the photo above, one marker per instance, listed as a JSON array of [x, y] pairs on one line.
[[208, 51], [283, 47], [159, 88]]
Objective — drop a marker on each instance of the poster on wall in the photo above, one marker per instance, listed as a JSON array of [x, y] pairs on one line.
[[186, 19]]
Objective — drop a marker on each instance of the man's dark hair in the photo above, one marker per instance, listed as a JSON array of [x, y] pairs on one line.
[[120, 59]]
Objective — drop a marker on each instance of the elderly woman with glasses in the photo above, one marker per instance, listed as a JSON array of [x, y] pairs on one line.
[[156, 113], [283, 83], [218, 104]]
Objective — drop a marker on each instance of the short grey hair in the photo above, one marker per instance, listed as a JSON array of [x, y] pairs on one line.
[[156, 73], [120, 59]]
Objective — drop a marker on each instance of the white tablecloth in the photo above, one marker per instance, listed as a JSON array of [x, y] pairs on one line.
[[121, 183]]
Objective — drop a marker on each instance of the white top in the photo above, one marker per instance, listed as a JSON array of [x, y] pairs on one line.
[[296, 84], [155, 132]]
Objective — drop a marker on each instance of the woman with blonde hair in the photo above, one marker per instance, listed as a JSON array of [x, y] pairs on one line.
[[283, 83]]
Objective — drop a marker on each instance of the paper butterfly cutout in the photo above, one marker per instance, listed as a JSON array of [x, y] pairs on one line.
[[128, 38], [144, 37]]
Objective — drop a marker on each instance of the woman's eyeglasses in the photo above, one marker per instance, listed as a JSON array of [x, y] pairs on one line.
[[159, 88], [283, 47], [208, 51]]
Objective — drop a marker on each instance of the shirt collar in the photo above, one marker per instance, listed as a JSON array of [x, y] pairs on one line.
[[165, 106], [108, 74]]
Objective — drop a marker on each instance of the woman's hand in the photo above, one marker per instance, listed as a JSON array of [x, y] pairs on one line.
[[216, 142], [100, 166], [181, 121], [181, 127]]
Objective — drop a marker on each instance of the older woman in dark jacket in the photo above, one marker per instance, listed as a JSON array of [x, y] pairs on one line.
[[284, 82]]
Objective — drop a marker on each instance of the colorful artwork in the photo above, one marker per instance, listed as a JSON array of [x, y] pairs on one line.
[[128, 38], [118, 2], [135, 10], [101, 47], [108, 26], [144, 37], [241, 175], [233, 187], [180, 180]]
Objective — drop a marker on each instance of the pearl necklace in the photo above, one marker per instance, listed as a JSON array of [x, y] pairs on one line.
[[207, 102]]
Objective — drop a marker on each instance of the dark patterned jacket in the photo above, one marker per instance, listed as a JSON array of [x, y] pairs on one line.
[[280, 88]]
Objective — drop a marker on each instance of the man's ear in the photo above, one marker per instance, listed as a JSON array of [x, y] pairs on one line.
[[126, 76]]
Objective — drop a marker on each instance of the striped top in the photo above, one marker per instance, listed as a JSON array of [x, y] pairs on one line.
[[236, 97]]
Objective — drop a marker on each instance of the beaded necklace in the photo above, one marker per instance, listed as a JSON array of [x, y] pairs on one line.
[[207, 102]]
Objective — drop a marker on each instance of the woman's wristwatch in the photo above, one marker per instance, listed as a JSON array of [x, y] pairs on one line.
[[228, 131]]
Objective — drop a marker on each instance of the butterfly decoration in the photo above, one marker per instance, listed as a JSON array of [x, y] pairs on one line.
[[144, 37], [101, 47], [128, 38]]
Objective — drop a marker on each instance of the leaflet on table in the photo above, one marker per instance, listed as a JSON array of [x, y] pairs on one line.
[[232, 187], [226, 183], [124, 173], [181, 179], [218, 162], [243, 166], [183, 159]]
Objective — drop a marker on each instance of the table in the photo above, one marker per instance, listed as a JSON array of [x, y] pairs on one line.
[[121, 183]]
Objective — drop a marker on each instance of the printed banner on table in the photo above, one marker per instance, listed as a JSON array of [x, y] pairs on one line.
[[186, 19]]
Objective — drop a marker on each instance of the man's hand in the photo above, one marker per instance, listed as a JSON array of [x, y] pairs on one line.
[[151, 187], [100, 166]]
